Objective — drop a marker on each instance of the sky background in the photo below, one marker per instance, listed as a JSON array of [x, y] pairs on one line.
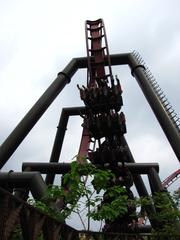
[[39, 38]]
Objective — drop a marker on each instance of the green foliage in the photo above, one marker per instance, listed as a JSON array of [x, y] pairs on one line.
[[78, 195], [79, 188], [176, 198], [17, 234], [99, 199], [116, 205], [110, 211], [167, 212]]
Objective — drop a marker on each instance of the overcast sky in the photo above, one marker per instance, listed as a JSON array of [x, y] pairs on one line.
[[39, 37]]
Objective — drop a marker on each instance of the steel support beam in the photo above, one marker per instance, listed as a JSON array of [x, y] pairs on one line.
[[59, 138], [61, 129], [154, 180], [12, 142], [140, 168], [159, 110], [141, 188], [28, 180], [62, 168], [31, 118], [44, 168]]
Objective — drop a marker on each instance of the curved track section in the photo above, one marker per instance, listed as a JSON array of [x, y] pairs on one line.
[[170, 179]]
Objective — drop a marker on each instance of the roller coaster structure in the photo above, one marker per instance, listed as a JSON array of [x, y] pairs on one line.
[[171, 179], [102, 142]]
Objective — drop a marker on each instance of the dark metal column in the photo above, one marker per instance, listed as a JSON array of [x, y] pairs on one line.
[[141, 188], [59, 138], [172, 134], [155, 182], [28, 122], [61, 129], [157, 187], [28, 180], [21, 131], [142, 191], [58, 142]]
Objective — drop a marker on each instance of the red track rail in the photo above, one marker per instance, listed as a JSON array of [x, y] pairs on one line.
[[97, 49], [172, 178]]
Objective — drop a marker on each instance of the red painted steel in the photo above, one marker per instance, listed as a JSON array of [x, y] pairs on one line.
[[84, 145], [97, 50], [170, 179]]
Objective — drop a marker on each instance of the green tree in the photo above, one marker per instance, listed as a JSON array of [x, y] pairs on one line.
[[81, 195], [86, 196]]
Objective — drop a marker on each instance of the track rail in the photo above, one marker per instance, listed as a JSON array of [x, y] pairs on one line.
[[102, 122], [97, 57], [97, 47], [170, 179]]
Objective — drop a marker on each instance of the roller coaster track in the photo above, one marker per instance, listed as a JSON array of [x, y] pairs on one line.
[[97, 49], [171, 179]]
